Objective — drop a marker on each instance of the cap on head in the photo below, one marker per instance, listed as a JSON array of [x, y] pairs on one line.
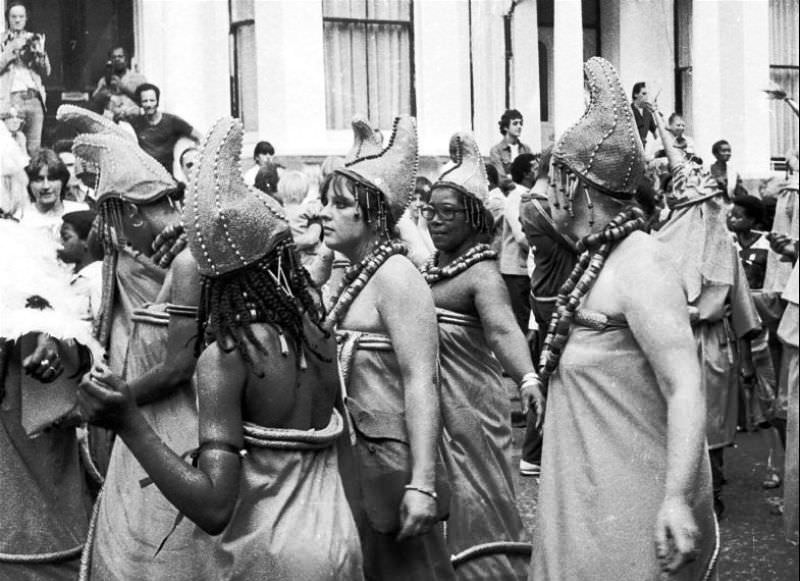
[[86, 121], [468, 175], [603, 147], [393, 170], [229, 224], [125, 170]]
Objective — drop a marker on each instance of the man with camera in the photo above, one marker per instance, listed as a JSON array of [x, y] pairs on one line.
[[23, 63], [121, 81]]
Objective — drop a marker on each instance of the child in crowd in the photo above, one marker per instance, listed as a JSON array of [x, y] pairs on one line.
[[87, 278], [746, 220]]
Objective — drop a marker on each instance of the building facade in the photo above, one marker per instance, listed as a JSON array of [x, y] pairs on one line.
[[296, 71]]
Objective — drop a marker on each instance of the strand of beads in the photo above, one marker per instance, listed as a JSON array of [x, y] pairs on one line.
[[356, 278], [595, 250], [473, 255]]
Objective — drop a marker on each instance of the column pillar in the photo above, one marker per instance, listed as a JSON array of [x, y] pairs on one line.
[[568, 105]]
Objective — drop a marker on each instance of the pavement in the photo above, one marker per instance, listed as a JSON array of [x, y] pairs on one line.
[[753, 547]]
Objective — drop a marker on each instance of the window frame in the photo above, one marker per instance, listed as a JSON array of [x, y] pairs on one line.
[[366, 22]]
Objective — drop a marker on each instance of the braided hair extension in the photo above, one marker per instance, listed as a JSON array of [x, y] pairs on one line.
[[477, 216], [273, 290], [370, 201], [595, 249]]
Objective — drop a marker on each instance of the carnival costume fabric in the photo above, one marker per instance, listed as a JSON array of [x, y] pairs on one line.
[[131, 520], [374, 399], [44, 503], [476, 445], [600, 417], [292, 520]]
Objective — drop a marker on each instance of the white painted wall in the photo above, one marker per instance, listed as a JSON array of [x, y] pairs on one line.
[[182, 47]]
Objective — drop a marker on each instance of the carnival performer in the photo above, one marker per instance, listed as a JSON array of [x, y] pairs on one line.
[[386, 324], [476, 324], [266, 382], [720, 305], [625, 415], [147, 320], [45, 504]]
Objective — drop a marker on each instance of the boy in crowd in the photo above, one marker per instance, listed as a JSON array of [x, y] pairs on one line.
[[87, 278]]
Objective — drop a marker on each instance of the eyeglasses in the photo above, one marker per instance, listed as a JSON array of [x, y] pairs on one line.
[[446, 213]]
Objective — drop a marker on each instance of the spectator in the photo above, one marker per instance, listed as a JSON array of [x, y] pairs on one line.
[[189, 160], [722, 170], [641, 113], [554, 256], [504, 153], [514, 247], [87, 277], [262, 156], [158, 132], [23, 63], [76, 190], [267, 179], [302, 212], [48, 178], [13, 181], [121, 82], [495, 205], [14, 123]]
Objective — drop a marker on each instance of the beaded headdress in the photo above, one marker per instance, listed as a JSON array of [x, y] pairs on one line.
[[125, 170], [603, 147], [366, 140], [86, 121], [391, 171], [229, 224], [468, 175]]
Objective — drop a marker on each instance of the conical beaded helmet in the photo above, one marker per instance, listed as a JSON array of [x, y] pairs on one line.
[[468, 175], [393, 170], [229, 224], [603, 148], [366, 140], [125, 170], [86, 121]]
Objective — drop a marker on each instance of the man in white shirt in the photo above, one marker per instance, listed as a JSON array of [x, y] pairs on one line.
[[514, 246]]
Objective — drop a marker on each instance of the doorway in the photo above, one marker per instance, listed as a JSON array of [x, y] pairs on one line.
[[79, 35]]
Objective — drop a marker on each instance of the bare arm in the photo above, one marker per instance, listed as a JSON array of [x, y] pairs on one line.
[[674, 155], [405, 305], [505, 337], [657, 316], [511, 213], [179, 362], [206, 494], [499, 325]]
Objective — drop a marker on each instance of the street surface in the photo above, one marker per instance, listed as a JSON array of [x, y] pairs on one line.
[[752, 543]]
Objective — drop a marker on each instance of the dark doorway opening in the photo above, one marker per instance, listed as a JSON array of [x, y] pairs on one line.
[[79, 35]]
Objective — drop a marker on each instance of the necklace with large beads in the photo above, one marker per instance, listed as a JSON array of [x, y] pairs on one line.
[[433, 273], [595, 249], [357, 276]]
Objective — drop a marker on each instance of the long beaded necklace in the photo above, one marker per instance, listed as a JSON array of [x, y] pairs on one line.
[[357, 276], [595, 249], [474, 254]]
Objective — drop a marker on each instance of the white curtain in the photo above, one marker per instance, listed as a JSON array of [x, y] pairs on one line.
[[367, 64], [783, 28]]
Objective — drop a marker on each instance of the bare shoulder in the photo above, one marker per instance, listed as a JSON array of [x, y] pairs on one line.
[[185, 284], [399, 275], [217, 361], [644, 266], [184, 264]]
